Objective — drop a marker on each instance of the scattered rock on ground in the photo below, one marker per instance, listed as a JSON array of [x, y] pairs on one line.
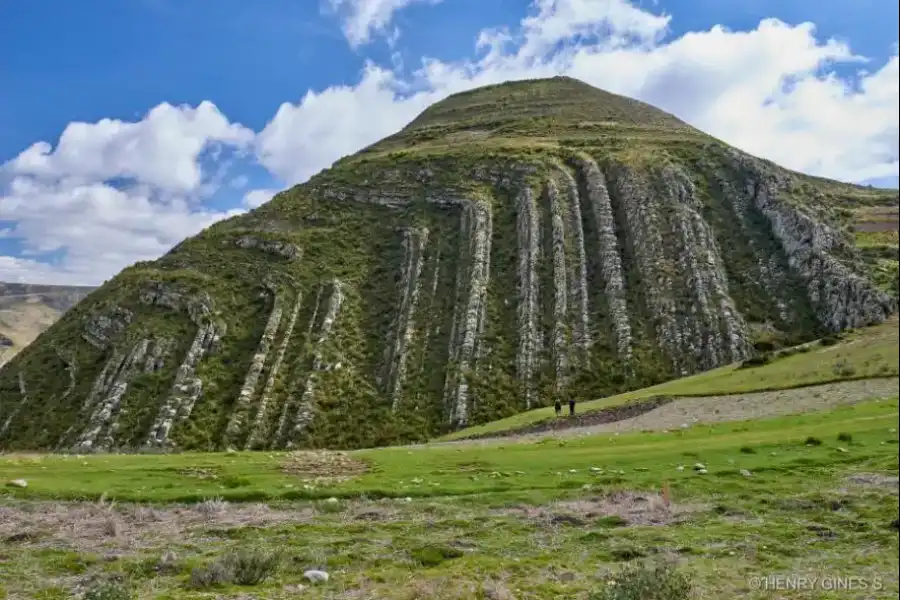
[[316, 576], [19, 483]]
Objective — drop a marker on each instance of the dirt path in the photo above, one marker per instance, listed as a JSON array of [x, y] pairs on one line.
[[713, 409]]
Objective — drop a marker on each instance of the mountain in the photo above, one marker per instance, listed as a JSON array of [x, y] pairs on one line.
[[27, 310], [511, 243]]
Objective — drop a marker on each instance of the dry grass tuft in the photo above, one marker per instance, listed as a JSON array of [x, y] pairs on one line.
[[322, 466]]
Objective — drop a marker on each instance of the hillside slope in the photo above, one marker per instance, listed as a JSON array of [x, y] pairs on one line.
[[26, 310], [510, 243]]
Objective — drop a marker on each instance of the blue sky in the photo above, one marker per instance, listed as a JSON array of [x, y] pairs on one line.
[[239, 124]]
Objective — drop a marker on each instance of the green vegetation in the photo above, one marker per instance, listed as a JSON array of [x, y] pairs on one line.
[[543, 520]]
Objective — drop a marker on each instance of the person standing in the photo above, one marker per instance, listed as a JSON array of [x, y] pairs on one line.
[[558, 406], [571, 406]]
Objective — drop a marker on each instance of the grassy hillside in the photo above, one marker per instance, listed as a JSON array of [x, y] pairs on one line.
[[511, 244], [860, 354], [809, 495]]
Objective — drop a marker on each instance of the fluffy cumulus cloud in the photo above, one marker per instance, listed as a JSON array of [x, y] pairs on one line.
[[363, 19], [773, 91]]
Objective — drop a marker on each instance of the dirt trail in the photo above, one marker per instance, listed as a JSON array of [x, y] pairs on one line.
[[672, 413]]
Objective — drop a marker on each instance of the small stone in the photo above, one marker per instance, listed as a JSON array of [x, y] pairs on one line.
[[19, 483], [230, 451], [520, 472], [408, 499], [679, 468], [746, 473], [332, 500], [842, 449], [573, 470], [586, 487], [684, 425], [596, 469], [699, 466], [567, 576], [702, 471], [316, 576]]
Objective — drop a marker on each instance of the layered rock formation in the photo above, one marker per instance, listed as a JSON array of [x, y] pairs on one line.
[[511, 244]]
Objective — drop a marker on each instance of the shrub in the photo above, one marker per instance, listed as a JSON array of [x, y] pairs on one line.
[[243, 567], [433, 555], [109, 590], [813, 441], [641, 582], [845, 437], [747, 450], [251, 567], [843, 369]]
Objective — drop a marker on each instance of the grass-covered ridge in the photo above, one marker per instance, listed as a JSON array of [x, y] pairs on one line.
[[814, 494], [862, 354], [510, 244]]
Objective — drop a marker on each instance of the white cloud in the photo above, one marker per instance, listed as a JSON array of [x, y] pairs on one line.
[[365, 18], [772, 91], [161, 149], [113, 192], [256, 198]]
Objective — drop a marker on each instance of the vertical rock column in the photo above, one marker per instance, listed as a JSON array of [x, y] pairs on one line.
[[244, 400], [578, 294], [476, 221], [414, 241], [610, 263], [560, 298], [528, 253], [257, 430], [304, 413]]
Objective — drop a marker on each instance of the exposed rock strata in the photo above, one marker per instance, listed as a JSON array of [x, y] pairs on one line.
[[528, 252], [476, 226], [414, 241], [304, 414], [257, 432], [244, 400], [613, 279]]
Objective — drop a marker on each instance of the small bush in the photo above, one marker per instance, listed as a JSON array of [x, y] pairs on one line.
[[252, 567], [813, 441], [747, 450], [109, 590], [211, 575], [244, 567], [661, 582], [845, 437], [843, 369], [433, 555]]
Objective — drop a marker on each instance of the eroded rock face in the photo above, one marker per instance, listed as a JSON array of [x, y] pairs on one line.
[[279, 248], [101, 328]]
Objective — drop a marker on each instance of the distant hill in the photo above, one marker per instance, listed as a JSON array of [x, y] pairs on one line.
[[511, 244], [27, 310]]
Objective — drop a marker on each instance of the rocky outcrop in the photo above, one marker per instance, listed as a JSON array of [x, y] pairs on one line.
[[472, 283], [559, 343], [304, 414], [23, 400], [104, 403], [596, 196], [414, 241], [276, 247], [187, 387], [528, 254], [244, 400], [101, 328], [257, 437], [578, 284]]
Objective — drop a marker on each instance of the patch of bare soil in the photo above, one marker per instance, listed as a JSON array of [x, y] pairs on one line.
[[631, 508], [96, 527], [875, 480], [322, 466]]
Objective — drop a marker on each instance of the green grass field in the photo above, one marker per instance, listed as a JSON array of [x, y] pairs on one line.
[[555, 519], [865, 353]]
